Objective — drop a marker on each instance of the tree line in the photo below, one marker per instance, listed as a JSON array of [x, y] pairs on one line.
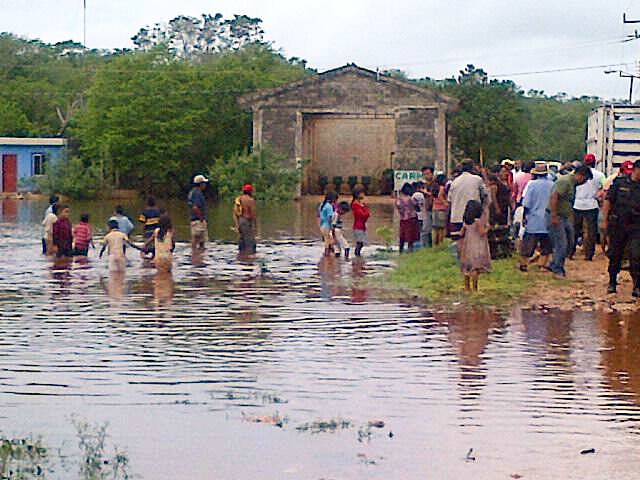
[[151, 117]]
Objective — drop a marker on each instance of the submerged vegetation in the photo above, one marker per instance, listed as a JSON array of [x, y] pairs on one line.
[[29, 458]]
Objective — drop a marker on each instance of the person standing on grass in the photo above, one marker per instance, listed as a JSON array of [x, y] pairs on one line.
[[82, 237], [62, 234], [420, 200], [429, 180], [520, 181], [326, 218], [198, 204], [622, 223], [536, 218], [586, 209], [475, 257], [361, 215], [467, 186], [244, 217], [440, 210], [409, 230], [561, 230]]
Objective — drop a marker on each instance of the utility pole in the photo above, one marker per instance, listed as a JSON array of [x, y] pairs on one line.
[[84, 23]]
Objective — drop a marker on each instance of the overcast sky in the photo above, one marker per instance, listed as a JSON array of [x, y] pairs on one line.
[[434, 38]]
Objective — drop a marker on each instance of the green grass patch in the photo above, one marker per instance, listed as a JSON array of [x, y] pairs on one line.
[[434, 275]]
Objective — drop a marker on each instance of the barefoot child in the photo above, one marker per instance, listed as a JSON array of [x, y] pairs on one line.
[[361, 214], [115, 241], [82, 237], [326, 218], [338, 225], [475, 257], [440, 209], [164, 244]]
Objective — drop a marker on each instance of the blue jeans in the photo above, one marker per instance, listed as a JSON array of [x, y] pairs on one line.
[[562, 236]]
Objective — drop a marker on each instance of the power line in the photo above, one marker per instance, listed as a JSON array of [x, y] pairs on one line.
[[558, 70]]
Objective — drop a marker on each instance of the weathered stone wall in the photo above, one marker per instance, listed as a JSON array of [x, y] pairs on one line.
[[284, 120], [416, 142], [279, 131]]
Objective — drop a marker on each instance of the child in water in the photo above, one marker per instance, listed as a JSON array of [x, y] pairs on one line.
[[115, 241], [62, 234], [82, 237], [326, 219], [164, 244], [475, 257], [340, 242], [361, 214]]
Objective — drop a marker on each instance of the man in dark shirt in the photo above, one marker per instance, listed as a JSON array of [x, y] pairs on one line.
[[198, 204], [62, 234], [622, 223]]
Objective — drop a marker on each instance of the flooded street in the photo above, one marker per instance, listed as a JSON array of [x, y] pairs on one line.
[[183, 367]]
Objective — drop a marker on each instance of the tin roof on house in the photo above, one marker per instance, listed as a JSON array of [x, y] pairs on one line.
[[248, 100], [35, 142]]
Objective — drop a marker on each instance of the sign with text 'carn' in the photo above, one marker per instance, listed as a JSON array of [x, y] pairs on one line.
[[400, 177]]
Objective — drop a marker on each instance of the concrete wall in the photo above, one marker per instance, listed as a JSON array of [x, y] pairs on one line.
[[315, 120], [25, 154]]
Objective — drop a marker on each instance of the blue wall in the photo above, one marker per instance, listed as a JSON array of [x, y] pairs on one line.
[[25, 155]]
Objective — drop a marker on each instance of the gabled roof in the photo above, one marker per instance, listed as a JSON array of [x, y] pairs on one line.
[[262, 95]]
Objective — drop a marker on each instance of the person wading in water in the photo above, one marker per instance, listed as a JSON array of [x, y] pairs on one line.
[[244, 217]]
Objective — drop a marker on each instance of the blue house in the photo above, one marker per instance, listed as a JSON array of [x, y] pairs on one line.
[[21, 159]]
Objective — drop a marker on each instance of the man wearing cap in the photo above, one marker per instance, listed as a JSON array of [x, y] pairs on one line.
[[586, 209], [198, 204], [244, 216], [622, 222], [536, 215]]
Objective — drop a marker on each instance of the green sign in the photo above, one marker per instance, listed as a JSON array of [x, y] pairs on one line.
[[400, 177]]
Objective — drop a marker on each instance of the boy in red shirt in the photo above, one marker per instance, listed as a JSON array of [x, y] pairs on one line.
[[360, 216], [83, 237]]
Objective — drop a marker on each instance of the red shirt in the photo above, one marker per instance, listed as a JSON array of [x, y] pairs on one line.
[[62, 236], [82, 234], [360, 215]]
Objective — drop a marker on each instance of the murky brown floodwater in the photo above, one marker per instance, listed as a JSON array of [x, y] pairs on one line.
[[175, 364]]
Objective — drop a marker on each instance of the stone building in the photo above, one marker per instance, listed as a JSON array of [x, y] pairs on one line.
[[352, 122]]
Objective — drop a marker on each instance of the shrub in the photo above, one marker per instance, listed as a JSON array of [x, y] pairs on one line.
[[72, 178], [263, 168]]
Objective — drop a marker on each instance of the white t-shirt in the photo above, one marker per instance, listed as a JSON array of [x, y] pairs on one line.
[[419, 199], [587, 194], [47, 225]]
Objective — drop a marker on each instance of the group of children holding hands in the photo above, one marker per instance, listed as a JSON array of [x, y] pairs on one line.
[[331, 214], [62, 240]]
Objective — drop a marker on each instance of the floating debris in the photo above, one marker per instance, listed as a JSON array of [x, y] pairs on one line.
[[470, 457], [276, 420], [588, 451], [325, 426], [376, 423]]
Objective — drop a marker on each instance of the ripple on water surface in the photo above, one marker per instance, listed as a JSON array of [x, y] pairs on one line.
[[189, 359]]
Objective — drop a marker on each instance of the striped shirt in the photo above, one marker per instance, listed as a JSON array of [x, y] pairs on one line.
[[82, 234]]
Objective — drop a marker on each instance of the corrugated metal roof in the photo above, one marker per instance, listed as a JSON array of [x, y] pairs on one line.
[[38, 142]]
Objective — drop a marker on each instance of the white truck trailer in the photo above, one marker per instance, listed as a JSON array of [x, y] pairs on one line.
[[613, 135]]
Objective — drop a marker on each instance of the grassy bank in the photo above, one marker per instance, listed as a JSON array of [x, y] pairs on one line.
[[434, 275]]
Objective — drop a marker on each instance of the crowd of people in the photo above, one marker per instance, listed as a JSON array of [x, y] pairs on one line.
[[524, 208], [62, 240]]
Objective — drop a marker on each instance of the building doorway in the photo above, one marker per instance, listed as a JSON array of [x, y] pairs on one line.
[[9, 173]]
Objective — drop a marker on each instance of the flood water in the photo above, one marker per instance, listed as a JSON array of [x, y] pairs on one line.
[[180, 367]]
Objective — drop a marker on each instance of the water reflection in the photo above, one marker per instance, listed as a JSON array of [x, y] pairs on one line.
[[182, 358]]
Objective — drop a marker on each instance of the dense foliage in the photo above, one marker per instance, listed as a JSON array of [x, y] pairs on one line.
[[149, 119], [263, 168], [495, 119]]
